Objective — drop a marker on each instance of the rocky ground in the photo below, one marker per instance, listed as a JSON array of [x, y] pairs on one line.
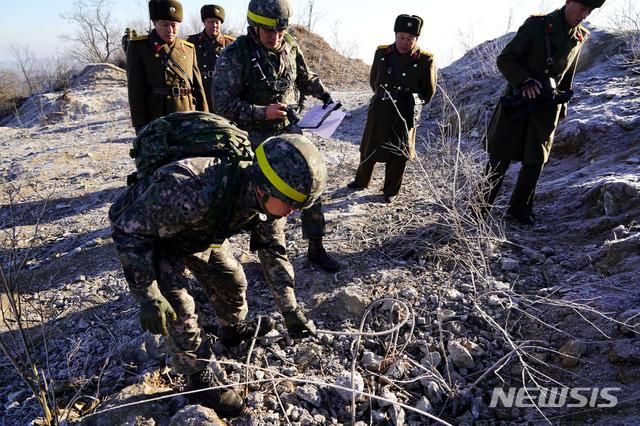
[[467, 305]]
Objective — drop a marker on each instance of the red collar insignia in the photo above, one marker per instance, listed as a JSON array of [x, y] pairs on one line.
[[579, 37], [157, 46]]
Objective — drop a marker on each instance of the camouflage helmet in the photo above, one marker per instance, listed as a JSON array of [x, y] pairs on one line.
[[291, 169], [270, 14]]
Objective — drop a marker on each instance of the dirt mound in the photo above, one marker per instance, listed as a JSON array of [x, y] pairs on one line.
[[100, 74], [335, 70]]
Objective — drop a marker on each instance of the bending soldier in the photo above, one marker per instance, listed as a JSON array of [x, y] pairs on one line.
[[542, 56], [256, 78], [162, 69], [170, 221], [209, 44], [403, 78]]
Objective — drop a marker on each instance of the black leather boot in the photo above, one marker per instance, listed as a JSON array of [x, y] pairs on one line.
[[225, 402], [318, 255], [234, 334]]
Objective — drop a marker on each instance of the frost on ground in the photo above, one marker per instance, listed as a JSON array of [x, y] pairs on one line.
[[468, 306]]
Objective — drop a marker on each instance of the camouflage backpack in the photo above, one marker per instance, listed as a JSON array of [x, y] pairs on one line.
[[185, 135]]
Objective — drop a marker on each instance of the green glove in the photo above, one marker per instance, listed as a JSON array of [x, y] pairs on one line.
[[298, 326], [153, 315]]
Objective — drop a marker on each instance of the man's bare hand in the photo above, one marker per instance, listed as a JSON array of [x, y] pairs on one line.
[[530, 88], [276, 111]]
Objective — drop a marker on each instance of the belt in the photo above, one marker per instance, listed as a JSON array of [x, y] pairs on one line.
[[391, 92], [209, 73], [171, 91]]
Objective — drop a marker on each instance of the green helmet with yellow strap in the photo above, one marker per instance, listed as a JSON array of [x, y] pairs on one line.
[[291, 169], [271, 14]]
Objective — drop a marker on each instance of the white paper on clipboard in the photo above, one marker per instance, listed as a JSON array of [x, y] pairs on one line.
[[322, 121], [329, 125]]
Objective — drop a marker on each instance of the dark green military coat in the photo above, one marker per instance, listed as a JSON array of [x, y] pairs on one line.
[[208, 50], [385, 134], [529, 139], [159, 86]]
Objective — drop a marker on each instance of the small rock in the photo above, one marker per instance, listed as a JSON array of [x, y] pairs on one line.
[[432, 360], [474, 349], [371, 361], [571, 352], [548, 251], [434, 392], [290, 371], [196, 415], [386, 393], [453, 294], [626, 351], [310, 394], [255, 399], [351, 301], [424, 404], [460, 357], [409, 293], [508, 264], [344, 379], [396, 370], [397, 415]]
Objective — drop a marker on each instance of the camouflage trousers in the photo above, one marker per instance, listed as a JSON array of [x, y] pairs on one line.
[[223, 279], [313, 222]]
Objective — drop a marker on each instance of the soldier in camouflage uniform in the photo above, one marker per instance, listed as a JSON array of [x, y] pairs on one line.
[[256, 78], [177, 219], [403, 78], [162, 69], [209, 44], [543, 55]]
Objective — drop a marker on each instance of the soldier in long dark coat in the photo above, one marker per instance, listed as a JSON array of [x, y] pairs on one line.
[[209, 44], [403, 78], [542, 56], [162, 69]]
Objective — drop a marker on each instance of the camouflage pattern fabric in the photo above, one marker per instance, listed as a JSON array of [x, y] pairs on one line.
[[313, 221], [160, 228], [277, 11], [242, 90]]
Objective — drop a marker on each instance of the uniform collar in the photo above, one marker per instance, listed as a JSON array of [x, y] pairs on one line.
[[559, 24], [205, 36], [158, 43]]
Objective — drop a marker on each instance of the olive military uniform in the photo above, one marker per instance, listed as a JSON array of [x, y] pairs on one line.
[[400, 82], [544, 48], [208, 49], [249, 77], [162, 79]]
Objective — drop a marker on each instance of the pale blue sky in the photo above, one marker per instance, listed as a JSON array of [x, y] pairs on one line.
[[359, 24]]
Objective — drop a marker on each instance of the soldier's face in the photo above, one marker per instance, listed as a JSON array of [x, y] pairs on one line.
[[167, 30], [274, 206], [270, 39], [212, 26], [405, 42], [575, 12]]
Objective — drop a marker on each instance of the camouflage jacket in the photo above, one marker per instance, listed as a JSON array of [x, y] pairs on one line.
[[172, 212], [249, 77], [208, 50], [162, 79]]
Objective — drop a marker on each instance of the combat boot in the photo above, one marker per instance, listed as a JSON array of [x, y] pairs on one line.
[[225, 402], [318, 255], [234, 334]]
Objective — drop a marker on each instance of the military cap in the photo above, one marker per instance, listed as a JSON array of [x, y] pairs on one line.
[[411, 24], [169, 10], [593, 4], [212, 11]]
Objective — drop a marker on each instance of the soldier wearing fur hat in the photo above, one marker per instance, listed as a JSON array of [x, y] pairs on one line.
[[162, 69], [542, 57], [403, 79], [209, 44]]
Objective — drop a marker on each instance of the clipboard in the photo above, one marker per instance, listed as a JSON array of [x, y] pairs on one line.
[[316, 115]]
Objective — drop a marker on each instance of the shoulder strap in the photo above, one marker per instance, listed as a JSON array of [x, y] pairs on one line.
[[167, 57]]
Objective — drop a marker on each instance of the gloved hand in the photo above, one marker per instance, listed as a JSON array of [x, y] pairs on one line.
[[298, 326], [153, 315], [326, 99]]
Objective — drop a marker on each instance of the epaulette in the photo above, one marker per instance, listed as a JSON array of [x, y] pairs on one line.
[[228, 37], [142, 37], [187, 43], [382, 47], [426, 53]]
